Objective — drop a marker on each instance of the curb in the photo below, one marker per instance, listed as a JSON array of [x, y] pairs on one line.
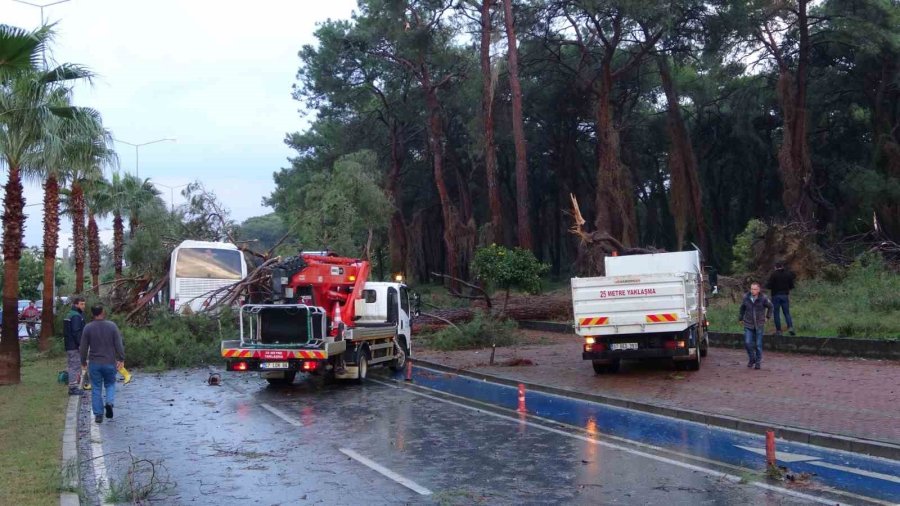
[[886, 349], [788, 433], [70, 454]]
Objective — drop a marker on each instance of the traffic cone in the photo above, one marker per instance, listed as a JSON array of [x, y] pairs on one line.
[[408, 369], [521, 398], [770, 448], [336, 319]]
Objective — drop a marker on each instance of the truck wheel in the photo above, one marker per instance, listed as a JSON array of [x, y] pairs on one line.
[[286, 380], [601, 368], [693, 365], [401, 355], [704, 346], [362, 367]]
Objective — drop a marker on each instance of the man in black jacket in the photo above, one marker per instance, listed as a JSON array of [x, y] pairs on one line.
[[73, 325], [781, 282], [756, 309]]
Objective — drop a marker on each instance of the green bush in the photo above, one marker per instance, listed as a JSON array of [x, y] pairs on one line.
[[743, 246], [174, 341], [481, 332], [505, 268]]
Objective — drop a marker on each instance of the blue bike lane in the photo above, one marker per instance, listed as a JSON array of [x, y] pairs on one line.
[[857, 474]]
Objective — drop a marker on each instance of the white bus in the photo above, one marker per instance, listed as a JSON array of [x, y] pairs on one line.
[[198, 269]]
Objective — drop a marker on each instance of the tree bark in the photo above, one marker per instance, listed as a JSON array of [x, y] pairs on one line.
[[686, 200], [78, 234], [436, 145], [488, 86], [518, 124], [615, 201], [94, 252], [397, 238], [118, 243], [13, 224], [51, 243]]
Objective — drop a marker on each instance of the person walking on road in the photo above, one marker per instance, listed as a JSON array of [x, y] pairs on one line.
[[73, 325], [781, 282], [756, 309], [102, 347]]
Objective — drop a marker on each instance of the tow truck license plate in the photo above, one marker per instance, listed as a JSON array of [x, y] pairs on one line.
[[623, 346], [274, 365]]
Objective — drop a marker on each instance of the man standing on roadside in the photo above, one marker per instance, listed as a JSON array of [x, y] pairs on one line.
[[756, 309], [781, 282], [73, 325], [101, 342]]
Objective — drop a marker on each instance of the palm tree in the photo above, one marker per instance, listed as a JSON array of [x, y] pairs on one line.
[[99, 205], [27, 103], [140, 193], [21, 50], [119, 201], [87, 154]]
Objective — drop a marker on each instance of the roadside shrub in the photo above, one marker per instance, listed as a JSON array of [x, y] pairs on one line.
[[834, 273], [175, 341], [481, 332]]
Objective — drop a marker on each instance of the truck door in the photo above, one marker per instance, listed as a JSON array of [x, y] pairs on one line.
[[405, 312]]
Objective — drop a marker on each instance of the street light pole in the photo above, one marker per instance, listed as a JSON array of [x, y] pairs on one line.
[[41, 7], [137, 151], [171, 192]]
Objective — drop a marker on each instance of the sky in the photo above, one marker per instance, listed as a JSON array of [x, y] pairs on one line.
[[215, 76]]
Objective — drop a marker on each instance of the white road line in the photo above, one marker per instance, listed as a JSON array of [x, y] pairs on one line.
[[658, 458], [99, 461], [870, 474], [281, 414], [378, 468]]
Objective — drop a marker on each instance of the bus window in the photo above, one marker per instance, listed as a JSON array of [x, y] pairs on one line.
[[209, 263]]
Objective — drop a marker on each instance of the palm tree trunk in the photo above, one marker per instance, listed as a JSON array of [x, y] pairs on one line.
[[518, 124], [51, 242], [13, 224], [94, 252], [118, 242], [78, 234]]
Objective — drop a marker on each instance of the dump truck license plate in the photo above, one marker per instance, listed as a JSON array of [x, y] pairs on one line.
[[623, 346], [274, 365]]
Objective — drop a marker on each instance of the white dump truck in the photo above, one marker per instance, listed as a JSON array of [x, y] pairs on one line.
[[647, 306]]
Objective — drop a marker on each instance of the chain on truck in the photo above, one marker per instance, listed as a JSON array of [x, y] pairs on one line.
[[646, 307], [326, 319]]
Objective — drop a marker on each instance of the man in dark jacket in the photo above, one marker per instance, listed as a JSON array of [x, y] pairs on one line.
[[73, 325], [756, 309], [781, 282], [102, 344]]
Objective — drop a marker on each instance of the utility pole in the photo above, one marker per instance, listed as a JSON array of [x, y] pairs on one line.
[[43, 22]]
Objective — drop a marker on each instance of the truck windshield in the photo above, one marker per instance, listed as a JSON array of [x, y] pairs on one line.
[[208, 263]]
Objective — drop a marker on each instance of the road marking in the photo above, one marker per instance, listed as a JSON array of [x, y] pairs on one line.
[[870, 474], [782, 456], [281, 414], [378, 468], [718, 474], [817, 461], [99, 461]]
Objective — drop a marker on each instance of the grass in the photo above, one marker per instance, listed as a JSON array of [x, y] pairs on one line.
[[861, 301], [32, 418]]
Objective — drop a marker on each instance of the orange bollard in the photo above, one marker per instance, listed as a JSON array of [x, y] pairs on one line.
[[770, 448], [522, 398], [409, 370]]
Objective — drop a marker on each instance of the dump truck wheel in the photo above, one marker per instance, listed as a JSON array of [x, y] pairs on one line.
[[401, 355], [362, 367]]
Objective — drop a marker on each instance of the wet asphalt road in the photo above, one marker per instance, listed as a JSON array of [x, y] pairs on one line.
[[248, 443]]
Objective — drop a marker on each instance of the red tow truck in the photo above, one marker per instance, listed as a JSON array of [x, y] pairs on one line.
[[325, 318]]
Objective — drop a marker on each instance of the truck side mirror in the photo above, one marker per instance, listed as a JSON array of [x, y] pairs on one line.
[[417, 304]]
